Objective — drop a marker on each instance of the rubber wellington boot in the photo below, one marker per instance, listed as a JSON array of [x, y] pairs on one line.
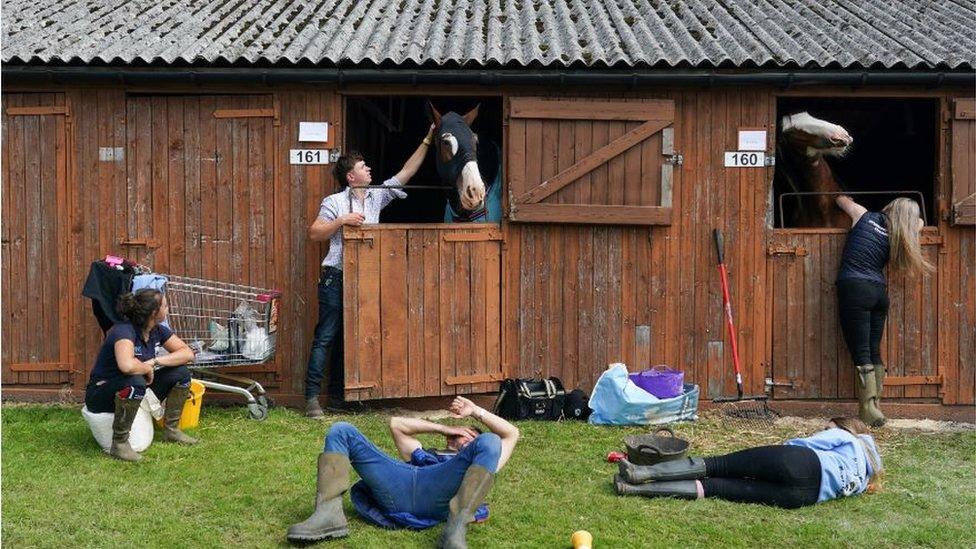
[[125, 414], [879, 376], [867, 396], [474, 487], [313, 409], [675, 469], [328, 520], [171, 416], [681, 489]]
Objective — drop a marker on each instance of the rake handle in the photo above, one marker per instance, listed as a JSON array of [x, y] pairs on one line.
[[727, 303]]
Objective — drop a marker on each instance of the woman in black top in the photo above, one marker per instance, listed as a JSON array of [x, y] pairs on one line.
[[127, 363], [875, 240]]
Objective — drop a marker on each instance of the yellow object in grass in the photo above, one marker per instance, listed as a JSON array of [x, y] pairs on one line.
[[191, 410]]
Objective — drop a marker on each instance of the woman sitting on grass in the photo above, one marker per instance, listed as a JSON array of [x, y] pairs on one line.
[[127, 363], [837, 462]]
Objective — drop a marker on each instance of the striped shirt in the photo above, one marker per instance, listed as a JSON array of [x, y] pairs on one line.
[[342, 203]]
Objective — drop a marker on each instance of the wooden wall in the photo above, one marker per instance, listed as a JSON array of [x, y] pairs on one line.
[[575, 297]]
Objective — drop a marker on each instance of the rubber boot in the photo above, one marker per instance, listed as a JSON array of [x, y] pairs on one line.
[[328, 520], [681, 489], [171, 416], [125, 414], [879, 376], [474, 487], [675, 469], [867, 396], [313, 409]]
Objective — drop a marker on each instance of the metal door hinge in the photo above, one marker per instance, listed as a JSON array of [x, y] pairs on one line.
[[770, 160], [334, 155], [675, 159]]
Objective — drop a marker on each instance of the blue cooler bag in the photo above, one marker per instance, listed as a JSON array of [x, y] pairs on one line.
[[616, 400]]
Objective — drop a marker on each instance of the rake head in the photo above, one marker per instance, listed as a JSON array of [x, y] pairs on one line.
[[748, 410]]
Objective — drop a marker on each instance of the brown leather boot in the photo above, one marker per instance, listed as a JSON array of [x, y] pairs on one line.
[[125, 414], [328, 520], [474, 487], [171, 416]]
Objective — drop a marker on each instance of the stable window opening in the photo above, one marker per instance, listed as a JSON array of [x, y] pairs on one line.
[[893, 153], [387, 129]]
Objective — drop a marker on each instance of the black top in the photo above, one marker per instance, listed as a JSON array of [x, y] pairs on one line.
[[105, 365], [866, 250]]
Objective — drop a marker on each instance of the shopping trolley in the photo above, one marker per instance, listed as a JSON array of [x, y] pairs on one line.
[[225, 324]]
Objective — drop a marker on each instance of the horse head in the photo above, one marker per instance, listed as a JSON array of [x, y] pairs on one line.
[[815, 137], [457, 158]]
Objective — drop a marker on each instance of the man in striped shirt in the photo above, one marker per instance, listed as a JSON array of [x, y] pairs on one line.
[[356, 204]]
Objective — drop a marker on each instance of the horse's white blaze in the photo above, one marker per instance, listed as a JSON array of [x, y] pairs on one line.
[[472, 187], [453, 141], [808, 124]]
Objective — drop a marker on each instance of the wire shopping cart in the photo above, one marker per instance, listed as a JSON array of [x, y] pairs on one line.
[[225, 324]]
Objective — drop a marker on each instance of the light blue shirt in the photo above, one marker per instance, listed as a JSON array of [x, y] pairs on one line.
[[844, 467], [342, 203]]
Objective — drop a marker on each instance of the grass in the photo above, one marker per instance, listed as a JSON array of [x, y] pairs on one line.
[[247, 481]]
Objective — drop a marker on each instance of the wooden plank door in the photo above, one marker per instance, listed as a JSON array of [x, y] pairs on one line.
[[809, 356], [36, 240], [592, 162], [422, 310], [200, 188]]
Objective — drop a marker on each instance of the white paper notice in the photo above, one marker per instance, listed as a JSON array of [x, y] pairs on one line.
[[752, 140], [313, 131]]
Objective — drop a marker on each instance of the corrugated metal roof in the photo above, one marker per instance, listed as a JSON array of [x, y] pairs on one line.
[[492, 33]]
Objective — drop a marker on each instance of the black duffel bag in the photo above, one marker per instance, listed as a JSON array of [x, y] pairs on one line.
[[531, 399]]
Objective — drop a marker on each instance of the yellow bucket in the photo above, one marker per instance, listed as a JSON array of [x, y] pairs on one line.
[[190, 417]]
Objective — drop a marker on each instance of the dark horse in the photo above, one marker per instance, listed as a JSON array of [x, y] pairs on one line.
[[804, 144], [471, 174]]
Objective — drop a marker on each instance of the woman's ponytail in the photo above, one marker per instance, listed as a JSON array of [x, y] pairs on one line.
[[139, 307]]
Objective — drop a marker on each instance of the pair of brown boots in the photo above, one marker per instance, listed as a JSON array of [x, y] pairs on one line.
[[329, 521], [125, 414]]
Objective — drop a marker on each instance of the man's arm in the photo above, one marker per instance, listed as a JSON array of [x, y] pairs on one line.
[[329, 221], [415, 161], [505, 430], [404, 430]]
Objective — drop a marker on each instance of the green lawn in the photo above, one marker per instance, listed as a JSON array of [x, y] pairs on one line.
[[247, 481]]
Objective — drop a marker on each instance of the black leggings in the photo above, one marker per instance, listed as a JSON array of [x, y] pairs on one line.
[[863, 309], [100, 394], [784, 476]]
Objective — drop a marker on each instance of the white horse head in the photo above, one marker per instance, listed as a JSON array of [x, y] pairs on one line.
[[816, 137]]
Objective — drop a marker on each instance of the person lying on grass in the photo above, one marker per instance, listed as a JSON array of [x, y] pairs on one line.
[[837, 462], [422, 490]]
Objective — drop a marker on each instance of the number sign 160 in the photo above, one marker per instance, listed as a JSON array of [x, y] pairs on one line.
[[745, 159]]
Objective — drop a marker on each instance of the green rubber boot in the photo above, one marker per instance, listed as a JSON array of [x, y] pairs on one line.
[[175, 401], [125, 414], [328, 519], [477, 481], [676, 469], [681, 489], [867, 396]]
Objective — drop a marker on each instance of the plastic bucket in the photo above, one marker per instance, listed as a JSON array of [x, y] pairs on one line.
[[190, 417], [660, 381]]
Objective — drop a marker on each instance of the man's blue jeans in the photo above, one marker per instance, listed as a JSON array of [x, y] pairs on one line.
[[328, 338], [399, 487]]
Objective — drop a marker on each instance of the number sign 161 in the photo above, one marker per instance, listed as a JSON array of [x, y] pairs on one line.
[[745, 159], [309, 156]]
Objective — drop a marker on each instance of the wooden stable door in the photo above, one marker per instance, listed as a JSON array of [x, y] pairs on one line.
[[422, 310], [809, 357], [36, 240], [200, 188]]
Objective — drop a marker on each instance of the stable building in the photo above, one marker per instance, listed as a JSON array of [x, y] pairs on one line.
[[627, 132]]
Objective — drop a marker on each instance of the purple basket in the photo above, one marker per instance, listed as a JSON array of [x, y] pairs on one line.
[[660, 381]]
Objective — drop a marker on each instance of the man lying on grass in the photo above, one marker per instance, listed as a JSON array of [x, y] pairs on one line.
[[419, 492]]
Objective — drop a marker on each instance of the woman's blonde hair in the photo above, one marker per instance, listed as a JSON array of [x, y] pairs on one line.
[[906, 252], [857, 427]]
